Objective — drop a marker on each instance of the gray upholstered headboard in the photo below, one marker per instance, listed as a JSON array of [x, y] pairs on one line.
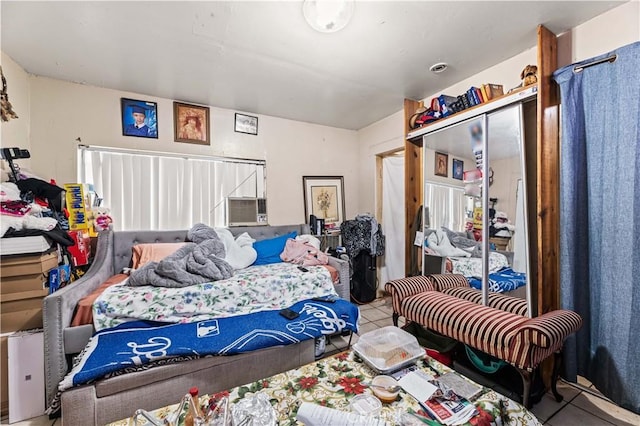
[[123, 241]]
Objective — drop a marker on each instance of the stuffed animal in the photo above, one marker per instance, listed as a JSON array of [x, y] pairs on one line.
[[101, 219], [529, 75]]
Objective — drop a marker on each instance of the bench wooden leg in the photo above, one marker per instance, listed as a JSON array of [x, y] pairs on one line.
[[395, 317], [557, 361], [526, 387]]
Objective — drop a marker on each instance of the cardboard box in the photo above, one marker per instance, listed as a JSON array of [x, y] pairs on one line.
[[26, 375], [25, 283], [81, 250], [21, 314], [59, 276], [76, 206], [4, 376], [34, 264]]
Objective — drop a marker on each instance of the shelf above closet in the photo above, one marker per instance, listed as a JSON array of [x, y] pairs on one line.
[[516, 96]]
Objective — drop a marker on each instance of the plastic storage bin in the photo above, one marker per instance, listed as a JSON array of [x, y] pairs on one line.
[[388, 349]]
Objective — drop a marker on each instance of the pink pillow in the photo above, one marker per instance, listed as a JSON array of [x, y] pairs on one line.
[[152, 252]]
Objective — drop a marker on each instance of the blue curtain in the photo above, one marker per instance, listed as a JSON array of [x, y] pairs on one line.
[[600, 221]]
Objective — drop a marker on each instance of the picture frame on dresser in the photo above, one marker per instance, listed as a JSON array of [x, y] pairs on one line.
[[324, 198]]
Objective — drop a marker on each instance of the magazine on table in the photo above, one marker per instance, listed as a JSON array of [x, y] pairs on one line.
[[449, 410], [461, 386]]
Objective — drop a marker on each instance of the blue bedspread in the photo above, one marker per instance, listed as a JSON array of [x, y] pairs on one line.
[[504, 280], [137, 343]]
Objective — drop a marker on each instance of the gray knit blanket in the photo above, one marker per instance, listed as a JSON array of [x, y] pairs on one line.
[[199, 261]]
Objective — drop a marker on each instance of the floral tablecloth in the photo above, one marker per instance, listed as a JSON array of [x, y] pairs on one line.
[[335, 380]]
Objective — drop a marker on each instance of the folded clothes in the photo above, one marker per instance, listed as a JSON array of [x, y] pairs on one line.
[[15, 207]]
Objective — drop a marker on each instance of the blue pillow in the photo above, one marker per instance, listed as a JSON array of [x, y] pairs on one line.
[[269, 250]]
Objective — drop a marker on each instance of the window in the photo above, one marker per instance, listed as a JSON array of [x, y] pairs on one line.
[[150, 190], [448, 206]]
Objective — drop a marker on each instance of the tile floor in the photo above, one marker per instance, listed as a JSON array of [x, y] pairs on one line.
[[579, 408]]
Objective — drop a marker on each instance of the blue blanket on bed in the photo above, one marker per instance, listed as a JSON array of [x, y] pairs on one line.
[[140, 342], [505, 279]]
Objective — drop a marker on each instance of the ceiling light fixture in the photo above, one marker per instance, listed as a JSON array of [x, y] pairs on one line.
[[439, 67], [327, 16]]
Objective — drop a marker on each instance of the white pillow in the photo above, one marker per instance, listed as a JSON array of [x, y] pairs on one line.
[[439, 242], [240, 253]]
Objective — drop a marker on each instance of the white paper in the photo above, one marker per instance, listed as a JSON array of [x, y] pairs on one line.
[[317, 415], [419, 240], [417, 384]]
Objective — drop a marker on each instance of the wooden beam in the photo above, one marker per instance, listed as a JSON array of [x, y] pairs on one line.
[[548, 177], [412, 182]]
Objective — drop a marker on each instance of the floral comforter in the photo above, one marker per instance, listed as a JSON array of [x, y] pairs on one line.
[[472, 266], [254, 289]]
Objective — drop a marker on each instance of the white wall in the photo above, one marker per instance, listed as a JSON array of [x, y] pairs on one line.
[[613, 29], [63, 112], [15, 132], [381, 137]]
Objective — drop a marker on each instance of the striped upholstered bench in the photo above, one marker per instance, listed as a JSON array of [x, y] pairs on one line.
[[512, 337], [458, 286], [451, 284]]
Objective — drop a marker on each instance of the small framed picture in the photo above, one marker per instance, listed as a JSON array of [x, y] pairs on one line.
[[139, 118], [458, 169], [441, 164], [191, 123], [246, 124]]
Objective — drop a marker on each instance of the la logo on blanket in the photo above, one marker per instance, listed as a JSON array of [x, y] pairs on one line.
[[330, 322], [155, 348], [208, 328]]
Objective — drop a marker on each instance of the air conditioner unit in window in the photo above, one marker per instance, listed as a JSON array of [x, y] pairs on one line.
[[246, 211]]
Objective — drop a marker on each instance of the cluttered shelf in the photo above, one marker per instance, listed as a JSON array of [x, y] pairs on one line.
[[519, 94]]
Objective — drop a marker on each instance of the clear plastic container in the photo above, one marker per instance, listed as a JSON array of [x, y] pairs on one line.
[[388, 349], [365, 405]]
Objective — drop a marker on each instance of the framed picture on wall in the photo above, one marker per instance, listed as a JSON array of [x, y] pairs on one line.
[[246, 124], [458, 169], [191, 123], [441, 164], [139, 118], [324, 198]]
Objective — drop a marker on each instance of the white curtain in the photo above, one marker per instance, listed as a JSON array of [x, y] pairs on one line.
[[448, 206], [146, 190], [392, 219]]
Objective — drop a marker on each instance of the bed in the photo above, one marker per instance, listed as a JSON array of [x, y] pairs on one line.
[[449, 252], [105, 400]]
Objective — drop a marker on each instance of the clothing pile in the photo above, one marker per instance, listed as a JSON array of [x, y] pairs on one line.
[[500, 226], [32, 207], [363, 233]]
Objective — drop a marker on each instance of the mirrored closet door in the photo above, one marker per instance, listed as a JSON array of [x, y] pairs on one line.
[[475, 200]]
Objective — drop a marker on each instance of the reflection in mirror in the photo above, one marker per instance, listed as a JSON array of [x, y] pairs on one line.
[[508, 231], [456, 231]]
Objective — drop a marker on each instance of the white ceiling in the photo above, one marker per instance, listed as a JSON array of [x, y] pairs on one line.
[[262, 57]]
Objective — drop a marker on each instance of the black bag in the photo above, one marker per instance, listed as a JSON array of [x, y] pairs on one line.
[[363, 280]]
